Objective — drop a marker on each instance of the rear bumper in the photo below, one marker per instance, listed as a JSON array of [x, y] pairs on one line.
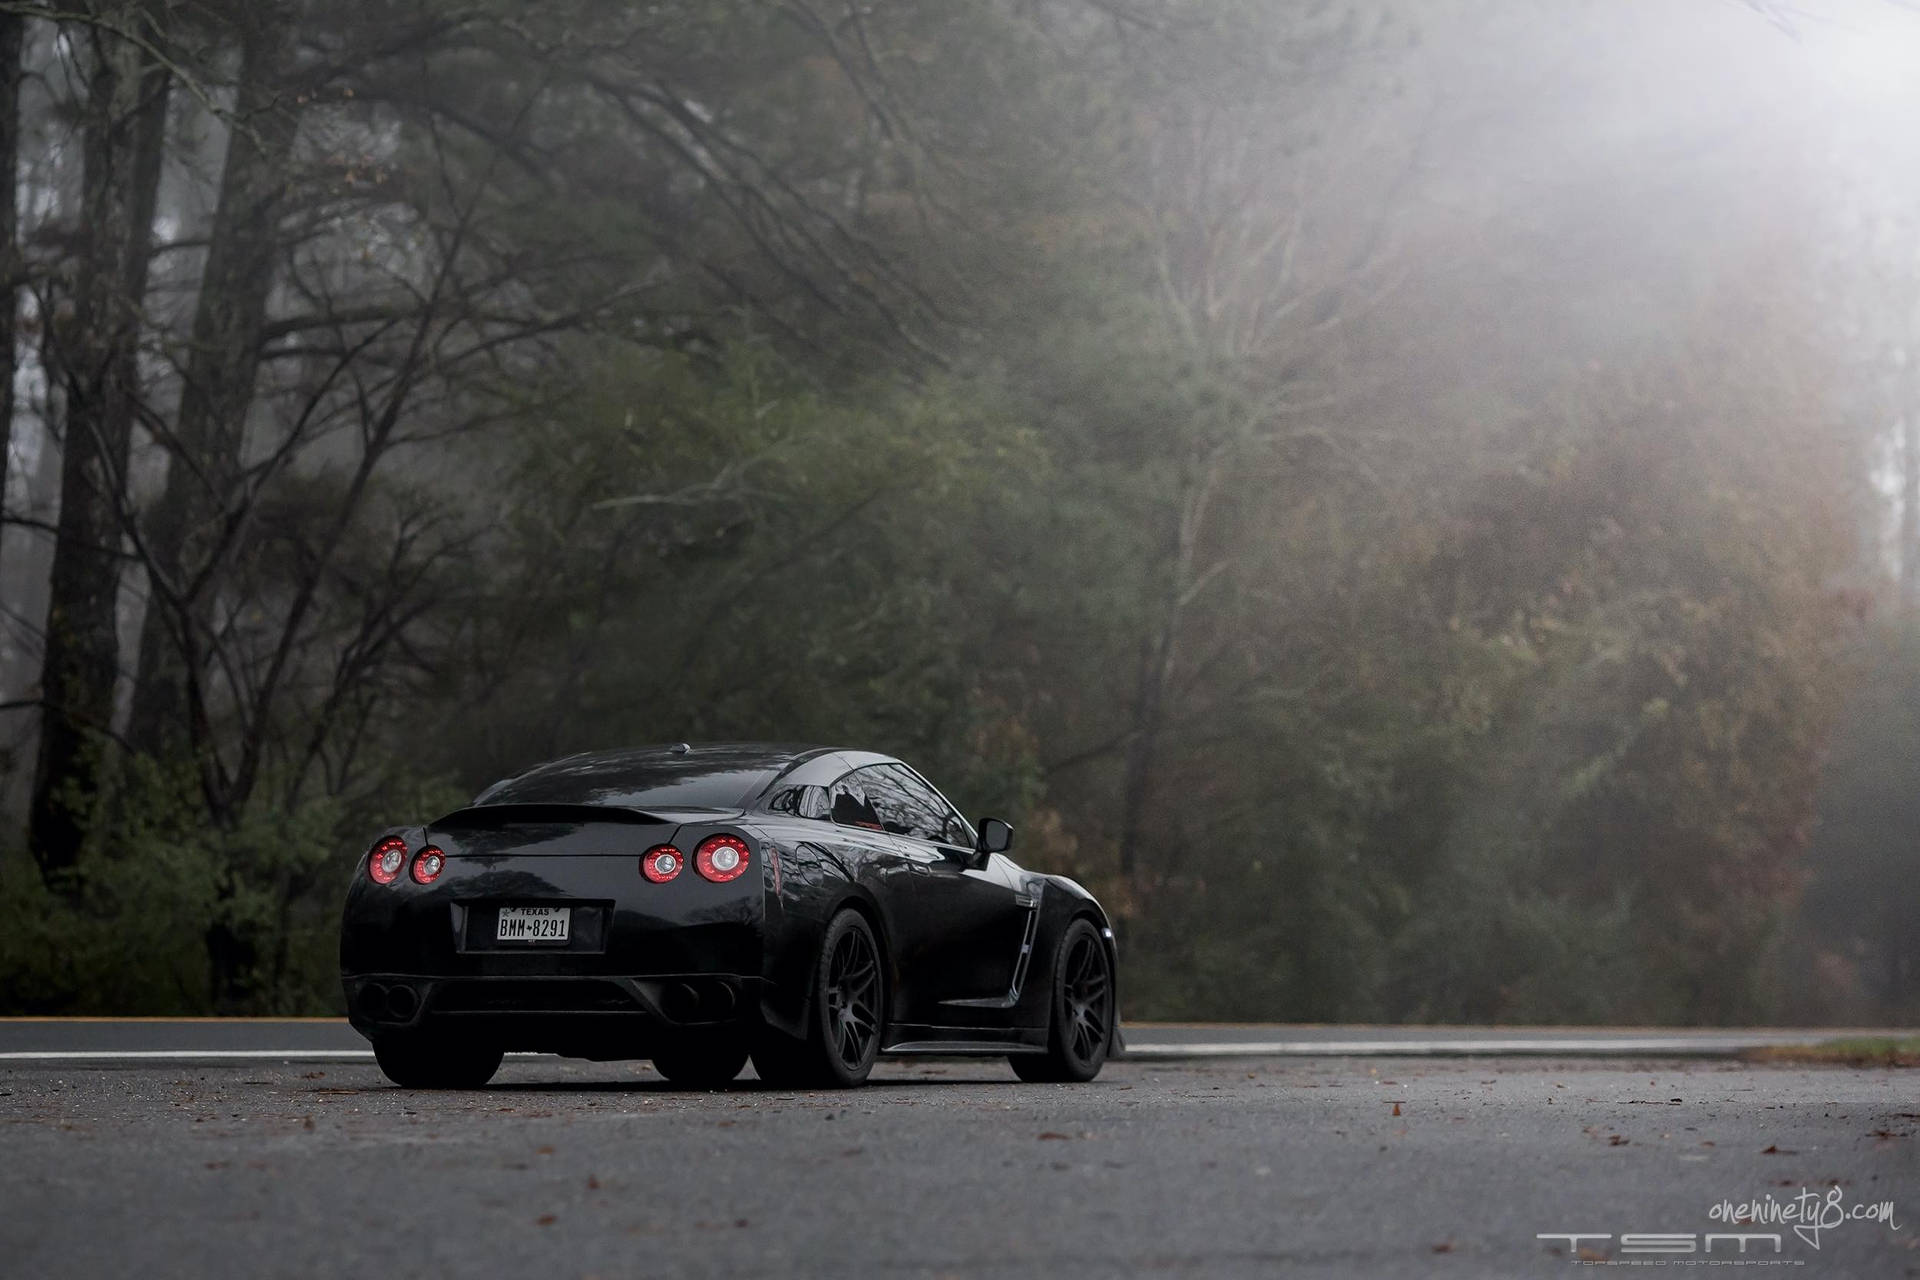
[[593, 1016], [620, 926]]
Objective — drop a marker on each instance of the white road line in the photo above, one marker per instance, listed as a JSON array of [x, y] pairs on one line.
[[203, 1055], [1447, 1048], [181, 1055]]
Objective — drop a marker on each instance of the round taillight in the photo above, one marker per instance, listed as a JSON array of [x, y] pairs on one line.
[[385, 859], [721, 858], [661, 863], [428, 864]]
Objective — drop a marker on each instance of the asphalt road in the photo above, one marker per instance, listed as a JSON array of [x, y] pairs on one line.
[[320, 1039], [1358, 1167]]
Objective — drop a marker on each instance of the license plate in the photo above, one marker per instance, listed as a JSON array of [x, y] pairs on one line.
[[533, 924]]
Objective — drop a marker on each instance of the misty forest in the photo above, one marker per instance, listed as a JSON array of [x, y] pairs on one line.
[[1416, 505]]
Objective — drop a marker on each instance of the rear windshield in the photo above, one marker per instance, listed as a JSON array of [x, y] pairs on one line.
[[705, 778]]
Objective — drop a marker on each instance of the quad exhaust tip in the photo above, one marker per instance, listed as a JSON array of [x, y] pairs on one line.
[[378, 1002], [698, 1001]]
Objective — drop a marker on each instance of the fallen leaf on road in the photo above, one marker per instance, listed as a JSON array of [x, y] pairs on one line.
[[1051, 1136], [1396, 1108], [545, 1220]]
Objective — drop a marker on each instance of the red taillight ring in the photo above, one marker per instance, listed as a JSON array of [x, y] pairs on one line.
[[385, 860], [661, 863], [428, 864], [722, 858]]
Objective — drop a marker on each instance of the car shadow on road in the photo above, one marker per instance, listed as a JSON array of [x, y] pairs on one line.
[[739, 1087]]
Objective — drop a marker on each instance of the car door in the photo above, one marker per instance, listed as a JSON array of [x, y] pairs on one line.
[[965, 927]]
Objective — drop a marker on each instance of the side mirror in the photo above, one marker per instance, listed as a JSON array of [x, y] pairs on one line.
[[996, 836]]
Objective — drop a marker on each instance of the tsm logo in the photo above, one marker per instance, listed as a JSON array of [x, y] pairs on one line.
[[1639, 1242]]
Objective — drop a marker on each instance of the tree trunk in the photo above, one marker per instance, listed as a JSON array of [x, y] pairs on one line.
[[223, 360], [1157, 656], [1143, 746], [95, 358], [12, 28], [1910, 513]]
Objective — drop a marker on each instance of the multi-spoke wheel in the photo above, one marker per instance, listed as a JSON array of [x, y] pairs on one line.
[[845, 1018], [1082, 1022], [414, 1060]]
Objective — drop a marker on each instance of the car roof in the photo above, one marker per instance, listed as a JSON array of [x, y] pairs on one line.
[[605, 771], [742, 755]]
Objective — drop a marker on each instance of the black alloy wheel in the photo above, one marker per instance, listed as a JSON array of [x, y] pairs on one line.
[[706, 1062], [845, 1018], [415, 1060], [1082, 1023], [852, 1014]]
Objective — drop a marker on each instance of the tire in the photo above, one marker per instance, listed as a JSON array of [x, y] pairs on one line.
[[704, 1063], [416, 1061], [1081, 1023], [846, 1015]]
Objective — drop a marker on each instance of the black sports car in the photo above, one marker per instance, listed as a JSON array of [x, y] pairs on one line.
[[808, 906]]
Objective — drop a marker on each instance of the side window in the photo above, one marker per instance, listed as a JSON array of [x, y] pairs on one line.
[[951, 828], [802, 802], [850, 807], [907, 805]]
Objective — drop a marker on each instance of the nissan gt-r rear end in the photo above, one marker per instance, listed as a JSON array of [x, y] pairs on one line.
[[595, 930]]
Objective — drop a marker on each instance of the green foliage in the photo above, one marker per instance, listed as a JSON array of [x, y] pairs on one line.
[[1858, 944], [767, 561], [168, 914]]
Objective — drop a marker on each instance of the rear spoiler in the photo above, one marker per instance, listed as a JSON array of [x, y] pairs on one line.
[[509, 815]]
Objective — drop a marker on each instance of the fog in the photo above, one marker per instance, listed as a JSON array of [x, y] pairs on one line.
[[1417, 505]]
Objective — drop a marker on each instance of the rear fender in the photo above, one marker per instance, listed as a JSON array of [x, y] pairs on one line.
[[814, 887]]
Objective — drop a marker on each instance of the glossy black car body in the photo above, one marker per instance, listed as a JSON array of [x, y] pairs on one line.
[[971, 947]]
